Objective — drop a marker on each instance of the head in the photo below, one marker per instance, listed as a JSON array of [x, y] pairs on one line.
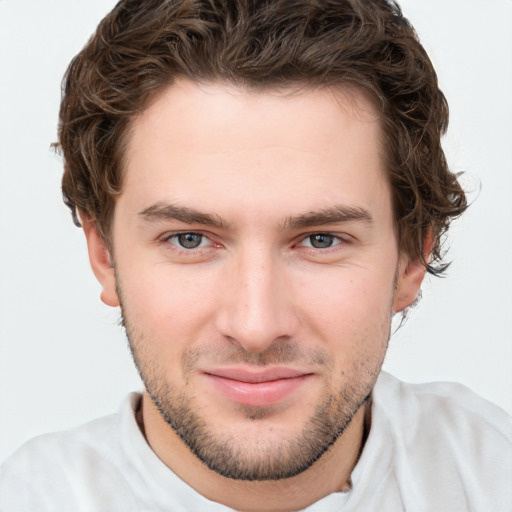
[[262, 185], [139, 50]]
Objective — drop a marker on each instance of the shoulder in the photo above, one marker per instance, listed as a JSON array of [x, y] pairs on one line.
[[69, 447], [55, 467], [450, 405], [448, 443]]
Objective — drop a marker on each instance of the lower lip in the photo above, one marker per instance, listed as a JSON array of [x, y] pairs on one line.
[[257, 394]]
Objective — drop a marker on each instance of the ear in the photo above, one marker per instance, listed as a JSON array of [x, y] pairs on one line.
[[101, 263], [410, 277]]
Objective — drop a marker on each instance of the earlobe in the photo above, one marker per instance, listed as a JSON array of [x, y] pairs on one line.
[[408, 285], [99, 257], [410, 276]]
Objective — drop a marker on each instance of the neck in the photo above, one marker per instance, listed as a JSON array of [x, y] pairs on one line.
[[331, 473]]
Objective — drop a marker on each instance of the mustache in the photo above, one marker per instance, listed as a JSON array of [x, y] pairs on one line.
[[280, 352]]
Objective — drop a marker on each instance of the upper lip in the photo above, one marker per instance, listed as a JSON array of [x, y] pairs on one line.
[[257, 374]]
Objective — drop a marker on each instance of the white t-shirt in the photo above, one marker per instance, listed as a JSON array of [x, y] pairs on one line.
[[432, 447]]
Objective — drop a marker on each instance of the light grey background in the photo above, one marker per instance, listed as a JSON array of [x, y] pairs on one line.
[[63, 359]]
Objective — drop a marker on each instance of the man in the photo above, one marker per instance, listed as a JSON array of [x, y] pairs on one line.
[[262, 187]]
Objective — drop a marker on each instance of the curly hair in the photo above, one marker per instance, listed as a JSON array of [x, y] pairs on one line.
[[142, 47]]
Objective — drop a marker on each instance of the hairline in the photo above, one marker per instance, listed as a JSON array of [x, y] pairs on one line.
[[284, 88]]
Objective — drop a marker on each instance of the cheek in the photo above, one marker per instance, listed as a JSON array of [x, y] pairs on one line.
[[349, 307], [169, 305], [349, 292]]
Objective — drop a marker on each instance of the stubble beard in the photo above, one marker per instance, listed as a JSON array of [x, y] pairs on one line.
[[269, 460], [255, 458]]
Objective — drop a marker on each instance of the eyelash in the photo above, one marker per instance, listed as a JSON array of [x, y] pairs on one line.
[[175, 236], [337, 241]]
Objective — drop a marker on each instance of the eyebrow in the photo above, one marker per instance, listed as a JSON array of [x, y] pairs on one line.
[[335, 215], [164, 212]]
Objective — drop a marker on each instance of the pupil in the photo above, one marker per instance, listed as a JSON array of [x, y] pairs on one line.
[[189, 240], [321, 241]]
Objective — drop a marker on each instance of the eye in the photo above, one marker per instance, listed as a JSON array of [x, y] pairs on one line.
[[321, 241], [188, 240]]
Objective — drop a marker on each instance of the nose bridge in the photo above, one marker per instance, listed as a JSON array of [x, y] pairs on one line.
[[256, 310]]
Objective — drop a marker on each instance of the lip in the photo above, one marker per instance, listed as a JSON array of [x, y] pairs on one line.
[[258, 387]]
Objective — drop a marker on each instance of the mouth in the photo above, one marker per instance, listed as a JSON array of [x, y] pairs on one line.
[[257, 387]]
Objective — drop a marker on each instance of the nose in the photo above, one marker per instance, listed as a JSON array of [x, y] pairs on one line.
[[257, 309]]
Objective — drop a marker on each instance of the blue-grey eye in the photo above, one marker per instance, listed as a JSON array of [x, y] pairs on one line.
[[189, 240], [321, 241]]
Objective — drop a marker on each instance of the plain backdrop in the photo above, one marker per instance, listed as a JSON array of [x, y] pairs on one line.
[[63, 357]]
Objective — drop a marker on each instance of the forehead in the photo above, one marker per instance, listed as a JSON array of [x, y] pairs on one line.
[[223, 146]]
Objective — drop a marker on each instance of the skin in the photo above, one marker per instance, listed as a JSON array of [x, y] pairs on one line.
[[255, 177]]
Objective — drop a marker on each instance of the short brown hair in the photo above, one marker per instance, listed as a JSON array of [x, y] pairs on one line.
[[141, 47]]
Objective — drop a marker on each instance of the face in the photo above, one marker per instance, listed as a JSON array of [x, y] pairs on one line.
[[256, 264]]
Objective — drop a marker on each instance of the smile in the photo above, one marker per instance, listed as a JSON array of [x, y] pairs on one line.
[[257, 388]]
